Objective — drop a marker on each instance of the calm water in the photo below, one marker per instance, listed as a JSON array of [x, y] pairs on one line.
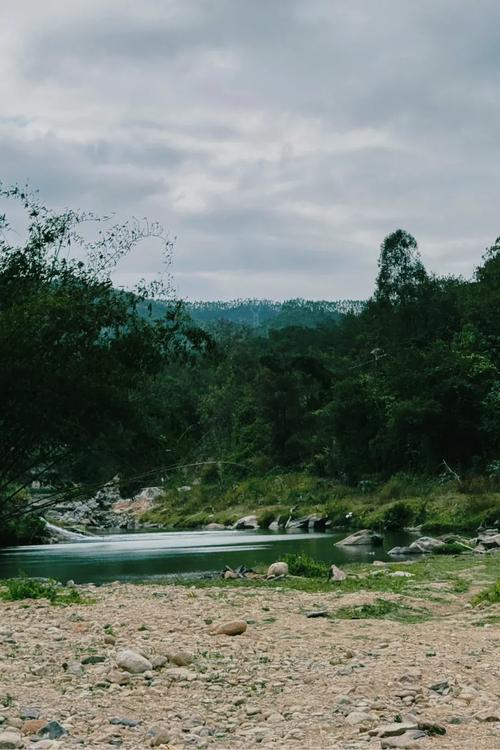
[[150, 555]]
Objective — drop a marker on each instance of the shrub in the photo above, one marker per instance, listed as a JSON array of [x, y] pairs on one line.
[[29, 529], [303, 565], [450, 548], [397, 516], [31, 588]]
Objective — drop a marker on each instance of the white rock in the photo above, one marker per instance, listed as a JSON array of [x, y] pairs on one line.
[[133, 662], [277, 569], [336, 574]]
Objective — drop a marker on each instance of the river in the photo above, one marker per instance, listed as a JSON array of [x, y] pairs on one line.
[[146, 556]]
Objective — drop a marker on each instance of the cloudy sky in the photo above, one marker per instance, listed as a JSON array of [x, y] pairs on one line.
[[278, 140]]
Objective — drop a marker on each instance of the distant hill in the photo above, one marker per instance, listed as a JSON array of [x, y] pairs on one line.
[[265, 314]]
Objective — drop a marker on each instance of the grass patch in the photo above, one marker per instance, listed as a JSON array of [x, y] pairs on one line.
[[381, 609], [491, 595], [305, 566], [16, 589]]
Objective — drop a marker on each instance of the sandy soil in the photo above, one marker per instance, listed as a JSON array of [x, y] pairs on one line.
[[288, 682]]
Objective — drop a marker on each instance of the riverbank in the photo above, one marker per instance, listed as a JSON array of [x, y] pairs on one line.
[[453, 506], [417, 652]]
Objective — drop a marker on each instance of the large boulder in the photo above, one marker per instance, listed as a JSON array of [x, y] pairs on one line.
[[403, 551], [277, 569], [247, 522], [427, 544], [238, 627], [489, 538], [364, 537]]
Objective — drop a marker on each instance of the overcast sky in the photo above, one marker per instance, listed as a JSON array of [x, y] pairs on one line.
[[278, 140]]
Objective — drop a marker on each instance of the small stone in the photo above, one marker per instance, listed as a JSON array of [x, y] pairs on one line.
[[440, 687], [10, 740], [489, 714], [408, 740], [181, 673], [110, 639], [395, 729], [358, 717], [52, 731], [180, 658], [237, 627], [252, 710], [74, 668], [33, 726], [336, 574], [431, 728], [124, 722], [93, 659], [116, 677], [157, 662], [158, 737], [30, 713], [133, 662]]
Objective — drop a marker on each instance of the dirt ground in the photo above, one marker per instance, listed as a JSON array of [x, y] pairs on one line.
[[289, 681]]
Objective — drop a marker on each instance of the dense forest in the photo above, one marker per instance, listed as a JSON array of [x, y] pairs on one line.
[[409, 381], [97, 382]]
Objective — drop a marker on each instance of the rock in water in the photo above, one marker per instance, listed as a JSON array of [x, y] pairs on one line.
[[427, 544], [363, 537], [247, 522], [277, 569], [133, 662], [230, 628], [336, 574]]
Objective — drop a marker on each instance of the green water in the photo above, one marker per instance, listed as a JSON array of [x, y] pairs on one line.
[[152, 555]]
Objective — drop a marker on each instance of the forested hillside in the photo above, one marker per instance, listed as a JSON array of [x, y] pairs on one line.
[[264, 315], [96, 382], [407, 383]]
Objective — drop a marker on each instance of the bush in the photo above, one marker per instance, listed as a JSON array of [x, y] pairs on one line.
[[29, 529], [393, 516], [266, 518], [303, 565]]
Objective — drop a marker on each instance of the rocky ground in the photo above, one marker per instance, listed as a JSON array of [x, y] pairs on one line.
[[288, 681]]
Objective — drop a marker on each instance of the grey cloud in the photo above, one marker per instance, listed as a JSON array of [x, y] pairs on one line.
[[279, 141]]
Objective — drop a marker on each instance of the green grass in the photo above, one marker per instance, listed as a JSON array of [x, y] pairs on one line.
[[381, 609], [16, 589], [491, 595], [303, 565]]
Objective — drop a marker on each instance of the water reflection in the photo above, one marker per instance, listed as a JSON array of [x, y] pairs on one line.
[[146, 555]]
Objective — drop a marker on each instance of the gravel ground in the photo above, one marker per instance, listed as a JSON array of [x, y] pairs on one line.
[[288, 681]]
